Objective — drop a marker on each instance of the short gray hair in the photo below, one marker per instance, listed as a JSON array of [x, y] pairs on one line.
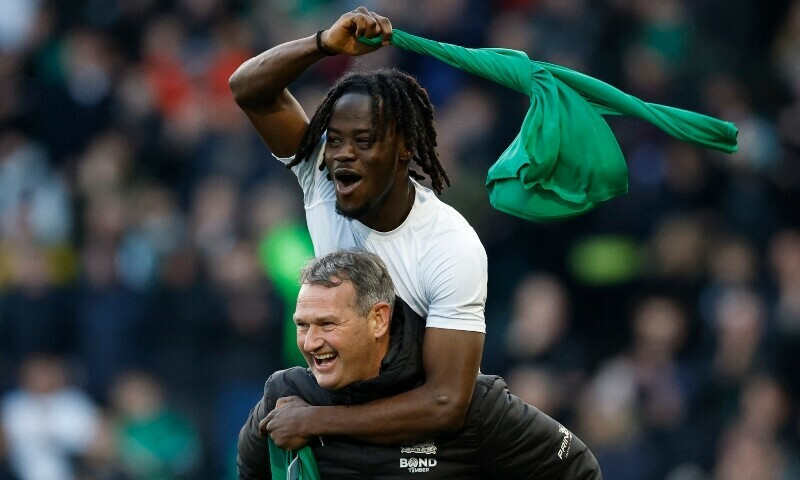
[[367, 272]]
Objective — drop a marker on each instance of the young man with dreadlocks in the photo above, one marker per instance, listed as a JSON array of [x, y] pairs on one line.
[[353, 161]]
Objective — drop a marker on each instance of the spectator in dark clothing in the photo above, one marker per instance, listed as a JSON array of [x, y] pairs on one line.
[[36, 315], [109, 316]]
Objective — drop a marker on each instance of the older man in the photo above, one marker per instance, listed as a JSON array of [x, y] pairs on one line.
[[361, 344]]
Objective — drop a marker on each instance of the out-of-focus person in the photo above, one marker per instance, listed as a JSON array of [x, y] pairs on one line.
[[47, 422], [155, 441]]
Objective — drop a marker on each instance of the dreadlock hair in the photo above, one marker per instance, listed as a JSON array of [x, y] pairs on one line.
[[405, 106]]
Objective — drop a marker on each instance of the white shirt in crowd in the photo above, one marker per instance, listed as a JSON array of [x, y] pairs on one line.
[[44, 431]]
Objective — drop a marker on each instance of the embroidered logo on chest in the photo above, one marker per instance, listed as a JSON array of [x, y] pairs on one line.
[[423, 447]]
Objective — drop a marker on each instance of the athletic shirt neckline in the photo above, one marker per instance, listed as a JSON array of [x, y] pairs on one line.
[[418, 209]]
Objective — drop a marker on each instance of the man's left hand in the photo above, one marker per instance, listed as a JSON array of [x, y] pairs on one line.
[[285, 424]]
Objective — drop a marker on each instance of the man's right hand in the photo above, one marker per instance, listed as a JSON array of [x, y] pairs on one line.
[[342, 37]]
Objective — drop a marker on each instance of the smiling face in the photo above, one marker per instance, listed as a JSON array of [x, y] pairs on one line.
[[340, 346], [370, 175]]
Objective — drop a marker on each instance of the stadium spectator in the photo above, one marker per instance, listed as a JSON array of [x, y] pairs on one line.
[[108, 316], [5, 469], [747, 456], [538, 339], [155, 441], [36, 311], [539, 328], [608, 420], [538, 386], [47, 422], [784, 262], [102, 458]]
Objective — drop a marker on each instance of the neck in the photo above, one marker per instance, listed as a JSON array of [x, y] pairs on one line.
[[381, 350], [392, 211]]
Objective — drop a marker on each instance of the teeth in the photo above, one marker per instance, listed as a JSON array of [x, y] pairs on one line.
[[324, 356]]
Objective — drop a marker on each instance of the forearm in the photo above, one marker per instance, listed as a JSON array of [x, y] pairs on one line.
[[450, 360], [258, 82], [410, 416]]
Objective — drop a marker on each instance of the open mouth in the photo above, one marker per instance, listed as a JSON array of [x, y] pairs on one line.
[[325, 360], [346, 181]]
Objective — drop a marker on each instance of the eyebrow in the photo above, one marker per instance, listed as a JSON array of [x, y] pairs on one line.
[[326, 318], [355, 131]]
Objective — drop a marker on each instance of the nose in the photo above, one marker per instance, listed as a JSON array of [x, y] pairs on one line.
[[345, 153], [313, 340]]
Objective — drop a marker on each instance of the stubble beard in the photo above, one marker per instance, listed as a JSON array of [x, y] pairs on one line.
[[354, 213], [358, 212]]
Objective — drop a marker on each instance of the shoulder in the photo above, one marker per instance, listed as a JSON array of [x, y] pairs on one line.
[[445, 221], [454, 246], [496, 407], [453, 270], [489, 388], [284, 383], [507, 421], [447, 235], [311, 177], [520, 441]]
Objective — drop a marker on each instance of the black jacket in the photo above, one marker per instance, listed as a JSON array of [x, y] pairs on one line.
[[502, 437]]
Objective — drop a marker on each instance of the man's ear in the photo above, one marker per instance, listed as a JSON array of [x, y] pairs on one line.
[[380, 318], [404, 152]]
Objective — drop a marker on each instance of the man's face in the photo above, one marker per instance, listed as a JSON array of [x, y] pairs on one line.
[[364, 169], [338, 344]]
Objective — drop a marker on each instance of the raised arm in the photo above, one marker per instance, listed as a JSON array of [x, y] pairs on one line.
[[451, 360], [260, 84]]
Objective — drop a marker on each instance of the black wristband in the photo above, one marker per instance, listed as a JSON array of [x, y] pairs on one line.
[[322, 48]]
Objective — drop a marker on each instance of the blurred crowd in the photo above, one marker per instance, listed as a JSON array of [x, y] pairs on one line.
[[149, 245]]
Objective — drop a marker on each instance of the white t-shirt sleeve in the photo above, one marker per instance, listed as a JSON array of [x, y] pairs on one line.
[[458, 289], [308, 173]]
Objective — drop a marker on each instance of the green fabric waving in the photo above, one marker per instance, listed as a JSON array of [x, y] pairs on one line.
[[292, 465], [565, 159]]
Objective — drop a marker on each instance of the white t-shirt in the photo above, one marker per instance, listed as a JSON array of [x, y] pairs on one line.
[[435, 258]]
